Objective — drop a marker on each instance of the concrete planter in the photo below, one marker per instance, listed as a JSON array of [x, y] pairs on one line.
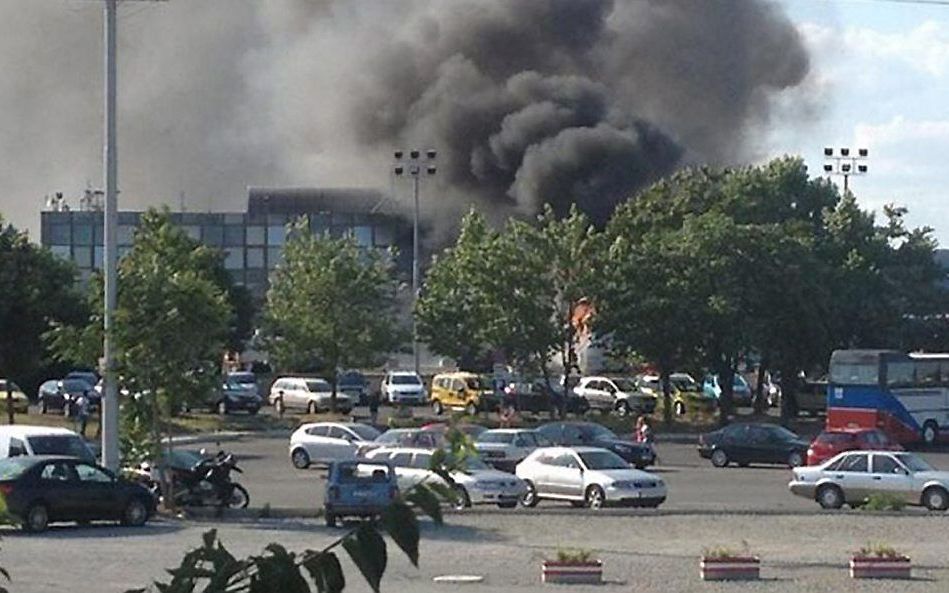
[[730, 568], [572, 573], [876, 567]]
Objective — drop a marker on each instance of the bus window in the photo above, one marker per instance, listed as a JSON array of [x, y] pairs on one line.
[[901, 374], [927, 373], [854, 374]]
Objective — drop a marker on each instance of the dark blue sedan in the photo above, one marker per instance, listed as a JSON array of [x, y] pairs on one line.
[[49, 489]]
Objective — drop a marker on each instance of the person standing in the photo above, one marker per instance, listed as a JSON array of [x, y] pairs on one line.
[[374, 407], [82, 413]]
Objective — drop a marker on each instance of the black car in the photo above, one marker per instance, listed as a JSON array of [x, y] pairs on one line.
[[234, 397], [536, 397], [590, 434], [753, 443], [355, 385], [40, 490], [57, 394]]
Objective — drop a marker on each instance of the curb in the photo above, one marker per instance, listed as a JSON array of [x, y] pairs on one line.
[[221, 437]]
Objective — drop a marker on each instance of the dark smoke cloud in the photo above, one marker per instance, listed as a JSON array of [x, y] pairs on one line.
[[527, 101]]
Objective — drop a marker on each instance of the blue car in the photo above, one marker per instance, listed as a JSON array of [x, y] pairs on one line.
[[359, 488], [741, 390]]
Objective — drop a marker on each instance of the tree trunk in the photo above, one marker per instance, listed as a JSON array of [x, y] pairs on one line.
[[334, 378], [726, 378], [10, 417], [788, 395], [666, 395], [761, 399]]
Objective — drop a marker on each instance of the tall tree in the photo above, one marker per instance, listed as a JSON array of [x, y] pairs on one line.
[[331, 304]]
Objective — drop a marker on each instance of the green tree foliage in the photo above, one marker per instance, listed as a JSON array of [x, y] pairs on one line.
[[36, 289], [330, 305]]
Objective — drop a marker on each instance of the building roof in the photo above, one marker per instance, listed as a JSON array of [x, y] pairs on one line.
[[308, 200]]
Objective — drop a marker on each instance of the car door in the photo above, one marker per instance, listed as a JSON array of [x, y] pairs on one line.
[[317, 443], [339, 441], [853, 476], [97, 489], [565, 476], [402, 462], [419, 470], [890, 477], [58, 484], [735, 443]]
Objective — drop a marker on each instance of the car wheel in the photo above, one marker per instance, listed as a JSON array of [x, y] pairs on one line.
[[135, 513], [930, 433], [437, 408], [529, 499], [330, 519], [222, 408], [36, 518], [471, 409], [622, 408], [311, 408], [830, 497], [796, 459], [719, 458], [300, 459], [595, 497], [462, 500], [679, 409], [935, 498]]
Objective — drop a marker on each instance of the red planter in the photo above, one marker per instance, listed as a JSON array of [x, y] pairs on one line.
[[875, 567], [736, 568], [587, 573]]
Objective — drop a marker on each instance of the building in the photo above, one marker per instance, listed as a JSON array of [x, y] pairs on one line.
[[252, 241]]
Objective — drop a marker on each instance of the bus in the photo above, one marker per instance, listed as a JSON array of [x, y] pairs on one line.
[[905, 395]]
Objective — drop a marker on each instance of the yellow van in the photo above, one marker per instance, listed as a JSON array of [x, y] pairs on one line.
[[461, 390]]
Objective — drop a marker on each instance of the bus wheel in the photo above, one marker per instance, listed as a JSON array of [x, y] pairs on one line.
[[930, 432]]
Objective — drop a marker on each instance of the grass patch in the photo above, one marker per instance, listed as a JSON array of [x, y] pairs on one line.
[[883, 501]]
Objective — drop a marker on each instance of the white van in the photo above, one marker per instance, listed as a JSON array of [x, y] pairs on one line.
[[21, 439]]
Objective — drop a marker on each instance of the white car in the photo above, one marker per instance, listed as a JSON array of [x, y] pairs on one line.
[[477, 484], [403, 387], [310, 394], [851, 477], [325, 442], [504, 448], [587, 476], [615, 394]]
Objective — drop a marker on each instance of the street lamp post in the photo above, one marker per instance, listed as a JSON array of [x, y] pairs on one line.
[[413, 164], [844, 163]]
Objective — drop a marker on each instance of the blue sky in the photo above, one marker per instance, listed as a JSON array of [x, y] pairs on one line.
[[879, 80]]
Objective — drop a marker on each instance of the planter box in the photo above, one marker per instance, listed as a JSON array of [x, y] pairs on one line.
[[587, 573], [863, 567], [738, 568]]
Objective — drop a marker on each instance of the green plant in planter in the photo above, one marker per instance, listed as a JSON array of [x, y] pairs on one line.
[[878, 550], [883, 501], [719, 551], [574, 555]]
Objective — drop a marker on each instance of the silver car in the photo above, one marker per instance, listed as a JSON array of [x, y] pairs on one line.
[[851, 477]]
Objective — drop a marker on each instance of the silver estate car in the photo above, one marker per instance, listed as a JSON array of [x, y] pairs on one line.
[[851, 477]]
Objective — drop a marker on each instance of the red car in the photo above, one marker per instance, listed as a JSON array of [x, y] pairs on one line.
[[831, 442]]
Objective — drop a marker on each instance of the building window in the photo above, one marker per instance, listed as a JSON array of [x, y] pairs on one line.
[[125, 234], [274, 257], [213, 235], [234, 259], [82, 256], [59, 234], [234, 236], [98, 229], [98, 257], [82, 234], [193, 232], [363, 235], [256, 235], [383, 236], [276, 234], [255, 257], [61, 251]]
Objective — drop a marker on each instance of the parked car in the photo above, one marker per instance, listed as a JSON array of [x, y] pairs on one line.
[[587, 476], [324, 442], [685, 392], [440, 428], [610, 394], [831, 442], [402, 437], [753, 443], [535, 396], [354, 384], [504, 448], [310, 394], [88, 376], [245, 379], [358, 489], [234, 396], [21, 439], [476, 484], [853, 476], [21, 403], [462, 391], [44, 489], [589, 434], [56, 394], [741, 390], [403, 387]]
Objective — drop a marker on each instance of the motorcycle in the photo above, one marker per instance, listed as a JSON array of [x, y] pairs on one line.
[[205, 483]]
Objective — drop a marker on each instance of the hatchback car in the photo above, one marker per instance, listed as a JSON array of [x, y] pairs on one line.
[[311, 394], [686, 394], [587, 476], [40, 490], [475, 484], [589, 434], [741, 390], [358, 489], [57, 394], [745, 444], [462, 391], [831, 442], [403, 387], [609, 394], [853, 476], [504, 448], [325, 442]]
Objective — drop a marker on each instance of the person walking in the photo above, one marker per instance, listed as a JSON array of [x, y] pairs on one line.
[[82, 413], [374, 407]]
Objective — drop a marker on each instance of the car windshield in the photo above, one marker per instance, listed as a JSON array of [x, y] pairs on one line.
[[599, 460], [366, 433], [784, 434], [60, 444], [914, 463], [75, 385], [596, 432], [317, 385], [404, 380], [474, 383], [244, 378], [393, 436], [473, 463], [351, 379], [835, 438], [496, 437], [624, 384], [12, 468], [684, 383]]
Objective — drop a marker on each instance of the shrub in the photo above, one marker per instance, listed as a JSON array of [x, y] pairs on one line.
[[883, 501], [574, 555], [878, 550]]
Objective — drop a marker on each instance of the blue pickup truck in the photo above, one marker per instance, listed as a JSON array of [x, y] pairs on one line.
[[358, 488]]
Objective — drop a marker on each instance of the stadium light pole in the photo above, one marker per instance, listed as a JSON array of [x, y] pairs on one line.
[[843, 163], [414, 165]]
